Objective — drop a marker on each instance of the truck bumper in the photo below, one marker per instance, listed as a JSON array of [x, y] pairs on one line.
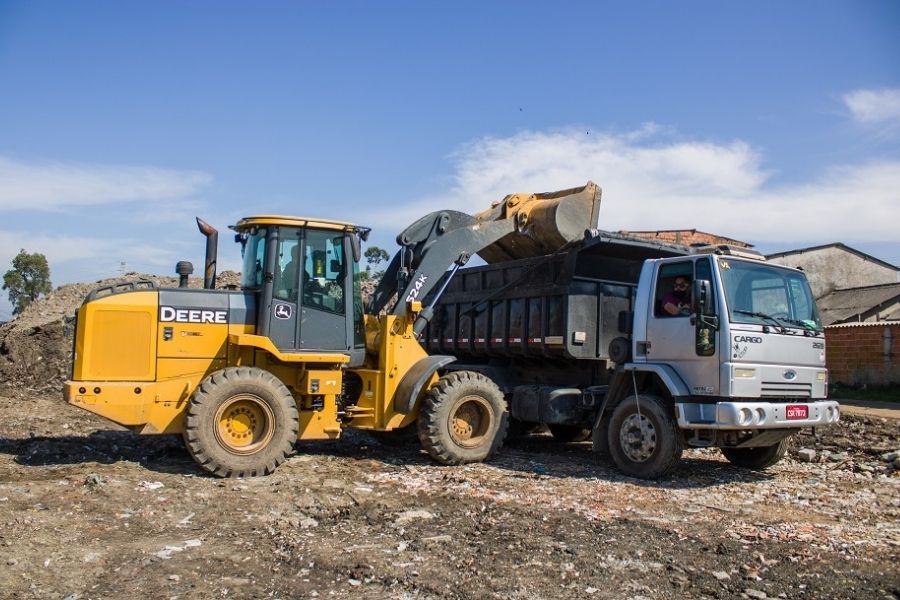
[[755, 415]]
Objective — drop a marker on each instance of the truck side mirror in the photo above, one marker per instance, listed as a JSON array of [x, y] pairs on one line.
[[700, 297]]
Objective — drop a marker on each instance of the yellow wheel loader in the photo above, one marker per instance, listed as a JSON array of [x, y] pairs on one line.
[[293, 354]]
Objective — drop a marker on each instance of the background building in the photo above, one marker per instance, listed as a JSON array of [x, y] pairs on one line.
[[837, 266]]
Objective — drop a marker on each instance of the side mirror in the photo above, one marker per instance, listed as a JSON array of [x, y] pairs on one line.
[[700, 297]]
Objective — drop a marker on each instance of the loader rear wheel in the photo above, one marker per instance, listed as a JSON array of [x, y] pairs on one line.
[[756, 458], [241, 422], [463, 419], [568, 434], [644, 440]]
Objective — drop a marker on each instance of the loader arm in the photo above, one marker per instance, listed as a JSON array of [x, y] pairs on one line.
[[520, 226]]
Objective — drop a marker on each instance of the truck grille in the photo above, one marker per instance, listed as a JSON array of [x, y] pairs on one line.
[[786, 389]]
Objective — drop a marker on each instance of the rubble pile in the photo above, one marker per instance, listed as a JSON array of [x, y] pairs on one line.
[[36, 346]]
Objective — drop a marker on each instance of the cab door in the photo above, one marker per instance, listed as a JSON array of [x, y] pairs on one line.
[[323, 299], [690, 346]]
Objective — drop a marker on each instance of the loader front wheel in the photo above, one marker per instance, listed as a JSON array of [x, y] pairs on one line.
[[463, 419], [241, 422]]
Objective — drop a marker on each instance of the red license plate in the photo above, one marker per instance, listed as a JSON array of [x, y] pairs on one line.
[[796, 411]]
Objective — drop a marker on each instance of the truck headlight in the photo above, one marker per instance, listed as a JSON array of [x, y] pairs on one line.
[[744, 373]]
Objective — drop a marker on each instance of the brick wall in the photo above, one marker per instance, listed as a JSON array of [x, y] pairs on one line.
[[855, 355]]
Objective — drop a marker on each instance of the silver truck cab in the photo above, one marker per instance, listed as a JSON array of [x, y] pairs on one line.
[[744, 352]]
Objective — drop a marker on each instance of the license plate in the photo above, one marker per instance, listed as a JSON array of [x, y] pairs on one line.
[[797, 411]]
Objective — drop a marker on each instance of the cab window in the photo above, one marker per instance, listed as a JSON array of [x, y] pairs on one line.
[[287, 260], [324, 271], [673, 290]]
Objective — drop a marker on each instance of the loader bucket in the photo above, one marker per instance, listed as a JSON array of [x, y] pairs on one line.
[[544, 222]]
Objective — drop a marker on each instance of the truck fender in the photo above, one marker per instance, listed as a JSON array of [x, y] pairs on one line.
[[415, 379], [666, 374]]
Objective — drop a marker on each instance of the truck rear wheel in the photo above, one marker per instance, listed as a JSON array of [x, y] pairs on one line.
[[241, 422], [463, 419], [644, 440], [756, 458], [569, 433]]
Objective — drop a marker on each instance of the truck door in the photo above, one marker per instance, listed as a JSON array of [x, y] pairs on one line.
[[675, 336]]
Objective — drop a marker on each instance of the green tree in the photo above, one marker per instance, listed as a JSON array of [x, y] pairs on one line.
[[27, 280], [374, 257]]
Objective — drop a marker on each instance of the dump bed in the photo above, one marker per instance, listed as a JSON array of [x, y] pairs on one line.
[[565, 305]]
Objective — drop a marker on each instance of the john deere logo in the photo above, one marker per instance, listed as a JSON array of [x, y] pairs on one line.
[[283, 311], [790, 374]]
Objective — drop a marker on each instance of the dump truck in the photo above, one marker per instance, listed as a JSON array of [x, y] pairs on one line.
[[592, 342], [294, 354]]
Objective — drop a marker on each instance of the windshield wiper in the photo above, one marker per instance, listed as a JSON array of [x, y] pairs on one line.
[[762, 315], [806, 325]]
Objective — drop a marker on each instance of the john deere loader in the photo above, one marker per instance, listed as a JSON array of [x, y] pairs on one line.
[[293, 354]]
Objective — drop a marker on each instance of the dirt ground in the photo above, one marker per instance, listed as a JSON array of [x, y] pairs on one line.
[[88, 510]]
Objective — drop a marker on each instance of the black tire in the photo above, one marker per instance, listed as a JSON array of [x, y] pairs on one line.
[[568, 434], [649, 446], [241, 422], [756, 458], [463, 419]]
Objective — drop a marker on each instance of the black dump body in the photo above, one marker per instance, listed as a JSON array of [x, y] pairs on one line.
[[544, 321]]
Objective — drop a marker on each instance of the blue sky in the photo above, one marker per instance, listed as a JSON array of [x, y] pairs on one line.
[[775, 123]]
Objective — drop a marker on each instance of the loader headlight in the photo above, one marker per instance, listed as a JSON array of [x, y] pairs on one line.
[[744, 373]]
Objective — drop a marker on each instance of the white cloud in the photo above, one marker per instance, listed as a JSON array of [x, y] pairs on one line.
[[874, 106], [647, 184], [49, 185], [77, 258]]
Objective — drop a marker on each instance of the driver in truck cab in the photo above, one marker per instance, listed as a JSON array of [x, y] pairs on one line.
[[678, 301]]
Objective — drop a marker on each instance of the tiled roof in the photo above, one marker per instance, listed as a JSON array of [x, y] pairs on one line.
[[688, 237]]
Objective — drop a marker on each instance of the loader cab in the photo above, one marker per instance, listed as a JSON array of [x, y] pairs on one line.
[[306, 275]]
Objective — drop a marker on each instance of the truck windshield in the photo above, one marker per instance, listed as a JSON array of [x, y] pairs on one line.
[[254, 251], [761, 293]]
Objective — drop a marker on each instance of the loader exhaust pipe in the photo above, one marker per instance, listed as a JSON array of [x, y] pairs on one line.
[[212, 244]]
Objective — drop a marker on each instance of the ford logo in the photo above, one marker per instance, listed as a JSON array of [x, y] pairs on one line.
[[790, 374]]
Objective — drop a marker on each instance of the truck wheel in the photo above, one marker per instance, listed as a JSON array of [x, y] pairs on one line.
[[241, 422], [645, 443], [463, 419], [756, 458], [569, 433]]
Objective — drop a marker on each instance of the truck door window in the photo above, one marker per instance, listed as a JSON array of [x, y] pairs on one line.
[[673, 290], [324, 271]]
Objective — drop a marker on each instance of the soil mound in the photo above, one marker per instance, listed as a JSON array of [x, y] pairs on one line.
[[36, 346]]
